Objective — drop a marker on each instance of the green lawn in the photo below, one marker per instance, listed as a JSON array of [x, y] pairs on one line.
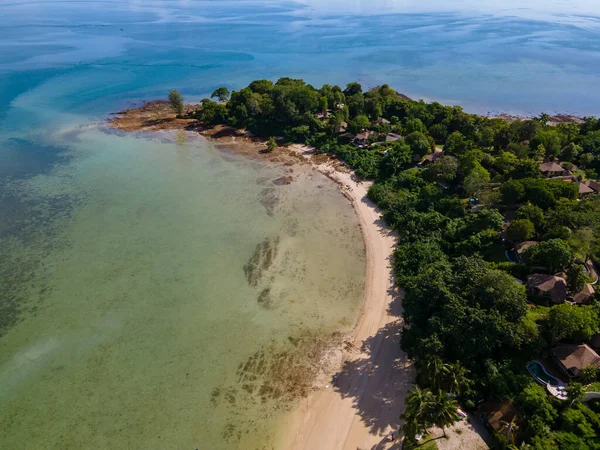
[[427, 444]]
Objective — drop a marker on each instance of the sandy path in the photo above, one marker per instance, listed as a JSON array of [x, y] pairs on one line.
[[367, 397]]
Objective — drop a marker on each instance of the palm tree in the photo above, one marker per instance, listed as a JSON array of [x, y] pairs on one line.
[[456, 378], [419, 404], [395, 163], [510, 428], [435, 371], [417, 416], [411, 426], [444, 411]]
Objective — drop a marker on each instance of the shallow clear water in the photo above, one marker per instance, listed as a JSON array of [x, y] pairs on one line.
[[149, 272], [156, 292]]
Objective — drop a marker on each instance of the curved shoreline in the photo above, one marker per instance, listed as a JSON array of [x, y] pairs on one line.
[[356, 412], [367, 397]]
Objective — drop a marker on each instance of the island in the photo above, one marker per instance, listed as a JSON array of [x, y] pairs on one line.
[[494, 235]]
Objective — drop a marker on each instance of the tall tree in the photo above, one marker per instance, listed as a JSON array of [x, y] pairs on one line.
[[176, 100], [566, 322], [435, 370], [455, 378], [576, 277], [221, 93], [419, 404], [555, 254], [475, 181], [444, 411], [411, 426], [520, 230]]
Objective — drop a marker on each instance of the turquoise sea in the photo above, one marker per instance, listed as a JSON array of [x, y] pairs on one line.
[[158, 292]]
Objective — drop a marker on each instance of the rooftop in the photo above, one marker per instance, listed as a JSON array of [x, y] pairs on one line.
[[576, 356], [434, 156], [584, 295], [380, 121], [364, 135], [497, 413], [585, 189], [551, 167], [594, 185], [549, 284], [392, 137]]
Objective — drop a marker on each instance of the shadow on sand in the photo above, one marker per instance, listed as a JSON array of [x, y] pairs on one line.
[[378, 377]]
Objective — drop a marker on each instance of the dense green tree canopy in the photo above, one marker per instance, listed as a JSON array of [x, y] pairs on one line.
[[521, 230], [575, 324], [554, 254], [221, 93]]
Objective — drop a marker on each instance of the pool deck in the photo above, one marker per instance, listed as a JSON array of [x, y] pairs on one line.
[[557, 391]]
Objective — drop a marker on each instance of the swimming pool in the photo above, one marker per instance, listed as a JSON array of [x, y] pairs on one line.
[[538, 371]]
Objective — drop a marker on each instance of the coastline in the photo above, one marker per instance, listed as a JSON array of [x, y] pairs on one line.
[[367, 397]]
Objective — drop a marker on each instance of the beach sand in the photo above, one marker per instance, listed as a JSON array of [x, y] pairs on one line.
[[366, 397]]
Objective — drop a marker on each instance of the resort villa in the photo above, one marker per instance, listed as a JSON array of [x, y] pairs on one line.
[[551, 287], [593, 185], [572, 359], [584, 189], [552, 169], [363, 138]]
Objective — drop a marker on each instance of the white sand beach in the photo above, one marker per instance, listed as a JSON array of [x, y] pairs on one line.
[[364, 401]]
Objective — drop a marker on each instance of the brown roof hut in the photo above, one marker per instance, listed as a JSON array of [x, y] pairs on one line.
[[433, 156], [495, 414], [585, 295], [392, 137], [551, 169], [341, 128], [584, 189], [572, 359], [363, 138], [550, 286], [380, 121], [593, 185]]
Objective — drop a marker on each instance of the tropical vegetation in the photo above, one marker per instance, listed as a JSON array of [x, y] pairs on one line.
[[448, 182]]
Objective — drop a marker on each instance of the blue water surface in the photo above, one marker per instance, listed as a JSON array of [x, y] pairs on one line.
[[68, 64], [100, 53]]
